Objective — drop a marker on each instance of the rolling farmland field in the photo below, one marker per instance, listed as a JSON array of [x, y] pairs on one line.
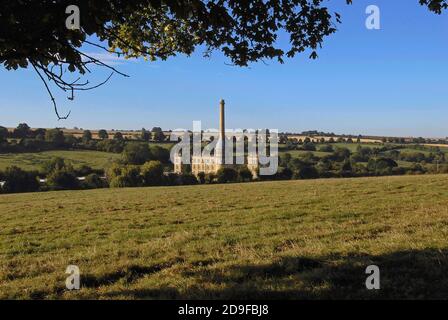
[[34, 161], [294, 239]]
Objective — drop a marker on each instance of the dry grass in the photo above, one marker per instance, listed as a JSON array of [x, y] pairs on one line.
[[293, 239]]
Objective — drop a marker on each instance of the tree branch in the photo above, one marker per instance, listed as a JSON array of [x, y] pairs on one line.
[[50, 94]]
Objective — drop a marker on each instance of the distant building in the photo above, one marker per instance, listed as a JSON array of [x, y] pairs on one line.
[[216, 161]]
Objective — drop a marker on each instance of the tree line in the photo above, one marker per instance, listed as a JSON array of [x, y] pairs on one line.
[[25, 139], [365, 161], [136, 168], [143, 164]]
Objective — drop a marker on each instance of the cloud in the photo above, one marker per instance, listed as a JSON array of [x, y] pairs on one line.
[[107, 58], [114, 60]]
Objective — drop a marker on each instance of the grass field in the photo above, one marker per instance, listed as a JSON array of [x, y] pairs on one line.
[[292, 239], [34, 161]]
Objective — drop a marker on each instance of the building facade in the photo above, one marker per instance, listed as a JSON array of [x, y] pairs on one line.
[[211, 164]]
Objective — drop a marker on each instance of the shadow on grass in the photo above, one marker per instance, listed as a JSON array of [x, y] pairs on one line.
[[127, 275], [404, 275]]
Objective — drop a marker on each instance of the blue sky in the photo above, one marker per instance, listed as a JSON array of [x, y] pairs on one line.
[[391, 81]]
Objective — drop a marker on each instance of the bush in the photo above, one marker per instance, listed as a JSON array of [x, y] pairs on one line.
[[172, 179], [360, 169], [324, 165], [114, 171], [115, 146], [159, 153], [296, 164], [381, 166], [102, 134], [309, 146], [340, 154], [358, 157], [55, 137], [94, 181], [188, 179], [398, 171], [158, 135], [210, 178], [201, 177], [136, 153], [61, 175], [347, 166], [225, 175], [326, 148], [18, 180], [308, 157], [86, 136], [63, 178], [84, 171], [284, 159], [4, 133], [284, 174], [307, 173], [118, 136], [346, 169], [244, 174], [132, 174], [32, 145], [124, 176], [417, 168], [412, 156], [385, 163], [53, 164], [70, 141], [152, 173], [22, 131]]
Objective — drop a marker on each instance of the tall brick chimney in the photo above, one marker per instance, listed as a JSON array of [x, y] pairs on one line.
[[222, 130]]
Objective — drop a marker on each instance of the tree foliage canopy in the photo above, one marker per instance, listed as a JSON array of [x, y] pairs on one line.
[[246, 31], [34, 32]]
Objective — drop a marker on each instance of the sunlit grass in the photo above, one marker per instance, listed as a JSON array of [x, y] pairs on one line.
[[34, 161], [292, 239]]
